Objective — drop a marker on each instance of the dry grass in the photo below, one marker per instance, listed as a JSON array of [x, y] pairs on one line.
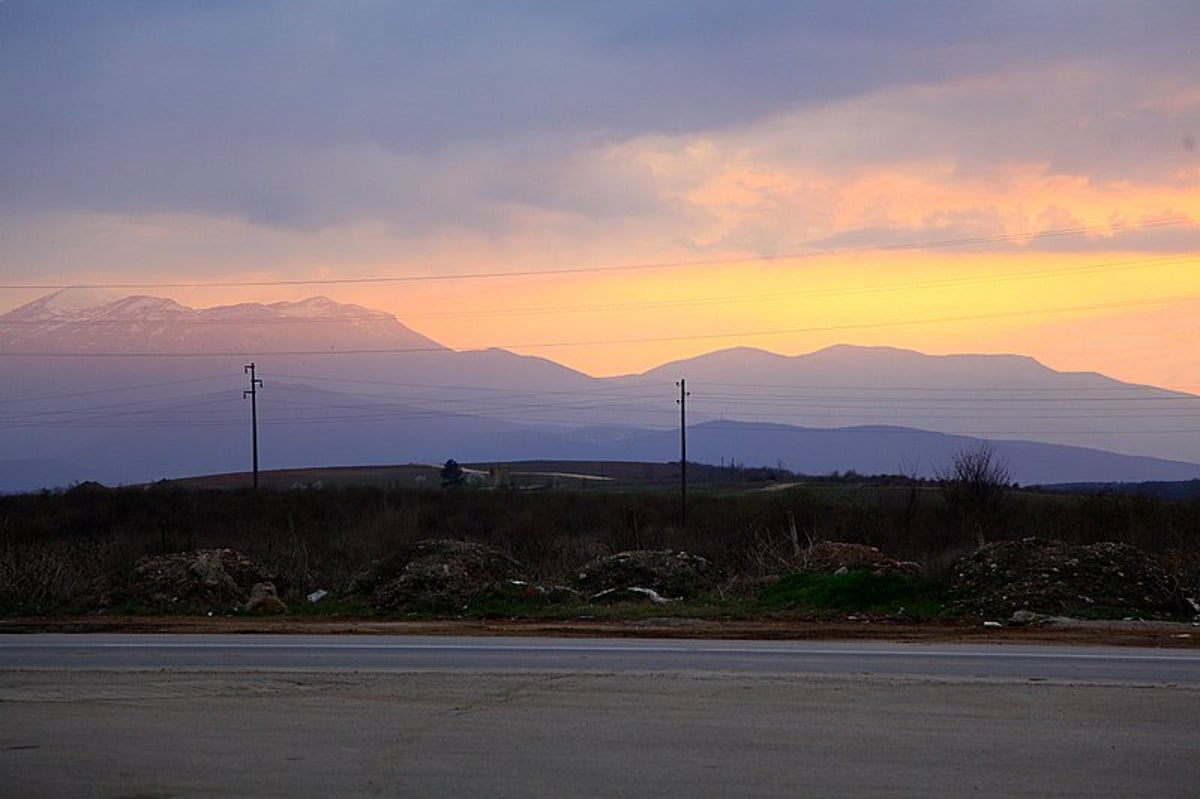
[[58, 549]]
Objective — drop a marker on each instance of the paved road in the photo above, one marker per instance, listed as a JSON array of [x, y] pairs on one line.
[[179, 716], [374, 653]]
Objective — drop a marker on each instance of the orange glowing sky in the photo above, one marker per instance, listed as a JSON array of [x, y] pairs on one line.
[[987, 181]]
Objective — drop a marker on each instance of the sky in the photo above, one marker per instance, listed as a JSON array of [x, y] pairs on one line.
[[614, 185]]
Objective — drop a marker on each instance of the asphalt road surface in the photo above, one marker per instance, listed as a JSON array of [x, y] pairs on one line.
[[183, 716], [373, 653]]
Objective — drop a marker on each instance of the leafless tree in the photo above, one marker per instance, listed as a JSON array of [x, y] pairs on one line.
[[975, 488]]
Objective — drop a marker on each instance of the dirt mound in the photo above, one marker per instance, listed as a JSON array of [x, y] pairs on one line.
[[202, 579], [436, 574], [831, 556], [1104, 580], [669, 574]]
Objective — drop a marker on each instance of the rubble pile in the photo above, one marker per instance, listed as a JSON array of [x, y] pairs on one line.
[[646, 574], [1184, 567], [264, 599], [437, 574], [1055, 578], [202, 579], [833, 556]]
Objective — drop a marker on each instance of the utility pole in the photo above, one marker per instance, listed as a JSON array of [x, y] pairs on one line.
[[682, 401], [252, 393]]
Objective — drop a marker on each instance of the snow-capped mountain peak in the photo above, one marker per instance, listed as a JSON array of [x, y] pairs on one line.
[[64, 302], [323, 307], [73, 322], [141, 308]]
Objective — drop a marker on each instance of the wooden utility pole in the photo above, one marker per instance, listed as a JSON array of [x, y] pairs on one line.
[[252, 393], [683, 395]]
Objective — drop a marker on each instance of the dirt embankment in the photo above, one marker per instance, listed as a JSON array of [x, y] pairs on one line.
[[1115, 633]]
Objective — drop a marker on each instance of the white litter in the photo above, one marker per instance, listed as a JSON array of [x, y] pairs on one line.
[[652, 595]]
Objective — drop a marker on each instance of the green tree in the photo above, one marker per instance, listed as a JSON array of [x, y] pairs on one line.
[[452, 474]]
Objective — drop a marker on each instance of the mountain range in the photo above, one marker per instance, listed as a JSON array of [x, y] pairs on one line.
[[125, 389]]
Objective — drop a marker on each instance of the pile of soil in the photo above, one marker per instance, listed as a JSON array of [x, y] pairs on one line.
[[1106, 580], [672, 575], [832, 556], [438, 574], [201, 579]]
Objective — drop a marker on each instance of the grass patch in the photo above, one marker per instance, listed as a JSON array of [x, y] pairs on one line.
[[859, 590], [328, 608]]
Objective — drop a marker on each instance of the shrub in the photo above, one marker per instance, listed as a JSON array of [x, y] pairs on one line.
[[859, 590]]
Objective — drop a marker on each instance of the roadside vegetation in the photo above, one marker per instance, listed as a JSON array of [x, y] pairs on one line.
[[769, 544]]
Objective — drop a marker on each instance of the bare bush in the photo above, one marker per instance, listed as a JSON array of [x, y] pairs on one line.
[[975, 488], [39, 576]]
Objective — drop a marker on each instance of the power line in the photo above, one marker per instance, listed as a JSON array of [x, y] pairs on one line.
[[376, 409], [803, 254], [652, 386], [752, 298], [885, 429], [881, 428], [199, 321], [181, 412], [806, 400], [112, 390], [348, 413], [104, 412], [914, 399], [928, 387], [639, 340], [459, 387]]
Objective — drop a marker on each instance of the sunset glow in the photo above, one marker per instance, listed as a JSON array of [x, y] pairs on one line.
[[1026, 199]]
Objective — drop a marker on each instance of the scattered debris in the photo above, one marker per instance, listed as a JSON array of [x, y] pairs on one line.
[[1106, 580], [549, 593], [623, 594], [666, 573], [651, 594], [1027, 618], [317, 596], [436, 574], [195, 580], [839, 557]]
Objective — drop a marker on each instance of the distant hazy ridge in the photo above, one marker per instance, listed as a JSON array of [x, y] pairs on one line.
[[130, 389]]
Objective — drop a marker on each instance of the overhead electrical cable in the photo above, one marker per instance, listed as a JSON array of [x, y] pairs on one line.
[[877, 288], [114, 389], [803, 254], [622, 341]]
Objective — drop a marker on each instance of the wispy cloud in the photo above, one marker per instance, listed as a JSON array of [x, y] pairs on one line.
[[305, 115]]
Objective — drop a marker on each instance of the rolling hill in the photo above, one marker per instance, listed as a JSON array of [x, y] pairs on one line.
[[131, 389]]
